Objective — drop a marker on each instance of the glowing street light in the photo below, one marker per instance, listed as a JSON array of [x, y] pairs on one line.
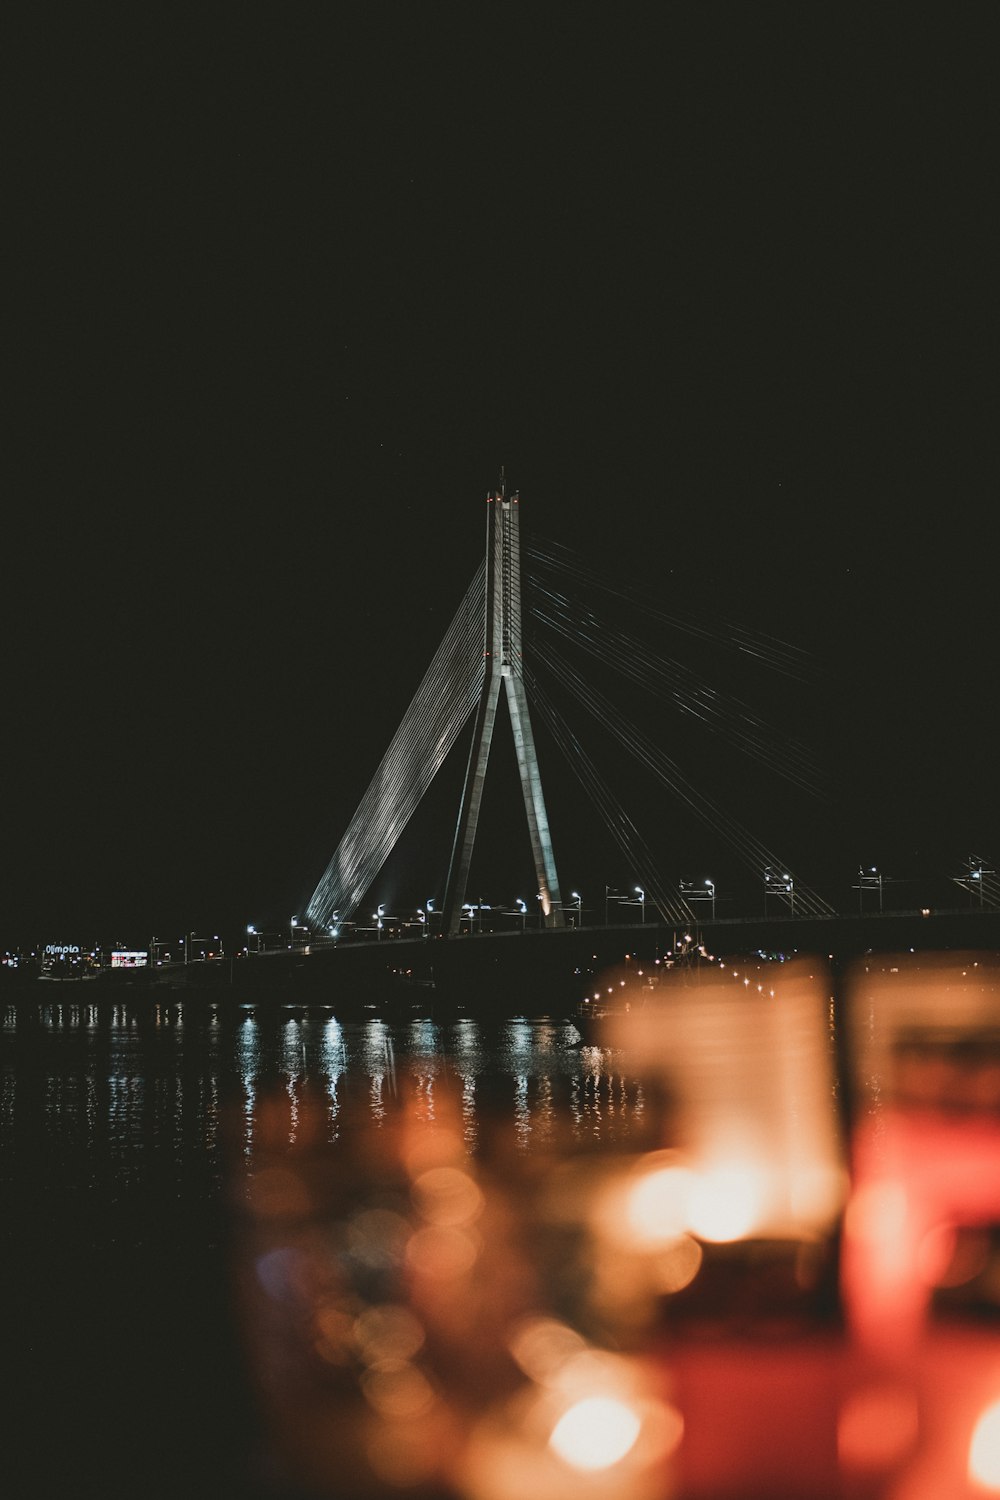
[[522, 907], [869, 880], [779, 885], [975, 881], [579, 907], [253, 933], [378, 919], [642, 902]]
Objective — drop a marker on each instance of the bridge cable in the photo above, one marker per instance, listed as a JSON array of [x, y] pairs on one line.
[[620, 826], [429, 728], [660, 675], [780, 656], [750, 850]]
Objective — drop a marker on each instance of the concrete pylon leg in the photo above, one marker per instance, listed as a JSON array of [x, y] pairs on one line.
[[534, 802]]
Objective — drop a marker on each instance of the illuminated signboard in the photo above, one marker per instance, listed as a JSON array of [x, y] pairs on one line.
[[123, 960]]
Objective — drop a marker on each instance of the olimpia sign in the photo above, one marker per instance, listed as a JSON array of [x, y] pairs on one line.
[[61, 948]]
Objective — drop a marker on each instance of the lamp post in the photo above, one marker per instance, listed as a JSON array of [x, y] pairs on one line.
[[869, 880], [642, 903], [779, 885], [691, 893], [291, 932], [974, 880], [579, 908], [192, 937], [378, 919], [522, 907]]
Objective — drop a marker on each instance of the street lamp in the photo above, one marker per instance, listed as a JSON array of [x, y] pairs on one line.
[[291, 932], [869, 880], [253, 933], [423, 921], [642, 902], [710, 887], [522, 907], [974, 880], [579, 907], [188, 939], [378, 919], [779, 885]]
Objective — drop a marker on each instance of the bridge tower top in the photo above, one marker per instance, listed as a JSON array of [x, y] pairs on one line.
[[503, 665], [481, 650]]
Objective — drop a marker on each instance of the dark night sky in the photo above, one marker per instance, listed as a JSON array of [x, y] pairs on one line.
[[286, 290]]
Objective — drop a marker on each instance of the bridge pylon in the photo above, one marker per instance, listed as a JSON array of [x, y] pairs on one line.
[[502, 665]]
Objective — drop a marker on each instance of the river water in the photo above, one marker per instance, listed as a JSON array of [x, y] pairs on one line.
[[264, 1252], [128, 1138]]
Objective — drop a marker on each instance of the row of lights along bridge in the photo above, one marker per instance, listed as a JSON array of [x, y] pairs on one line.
[[484, 916]]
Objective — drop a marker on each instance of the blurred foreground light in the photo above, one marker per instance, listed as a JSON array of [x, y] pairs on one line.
[[377, 1238], [595, 1433], [658, 1202], [923, 1034], [447, 1196], [442, 1253], [388, 1332], [984, 1450], [676, 1266], [751, 1075], [542, 1346], [398, 1390], [877, 1428], [728, 1203]]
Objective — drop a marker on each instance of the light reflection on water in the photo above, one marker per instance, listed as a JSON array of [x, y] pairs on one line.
[[125, 1085]]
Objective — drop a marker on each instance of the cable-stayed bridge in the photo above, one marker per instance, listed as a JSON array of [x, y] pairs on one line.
[[521, 611]]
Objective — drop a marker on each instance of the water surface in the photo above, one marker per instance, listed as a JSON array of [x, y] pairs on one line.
[[128, 1137]]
